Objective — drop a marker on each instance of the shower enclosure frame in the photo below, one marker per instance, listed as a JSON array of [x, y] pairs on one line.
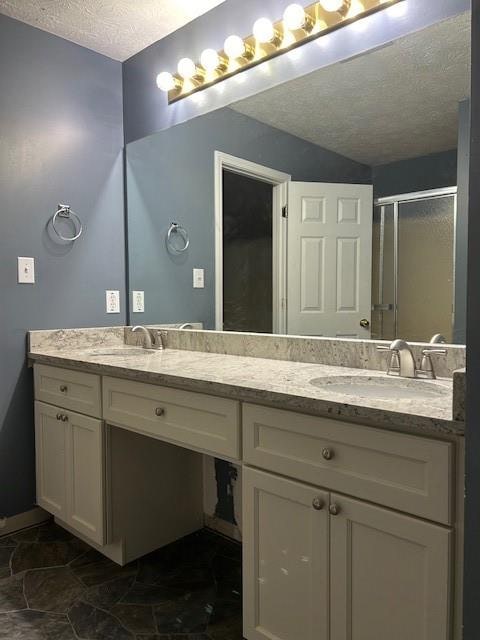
[[396, 200]]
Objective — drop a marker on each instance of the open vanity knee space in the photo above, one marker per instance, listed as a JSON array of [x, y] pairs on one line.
[[351, 527]]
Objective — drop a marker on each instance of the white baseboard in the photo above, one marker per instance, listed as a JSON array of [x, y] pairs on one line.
[[23, 520]]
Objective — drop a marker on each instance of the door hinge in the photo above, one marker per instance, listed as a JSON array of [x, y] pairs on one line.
[[285, 211]]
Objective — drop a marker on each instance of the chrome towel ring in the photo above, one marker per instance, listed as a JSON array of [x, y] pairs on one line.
[[64, 211], [176, 228]]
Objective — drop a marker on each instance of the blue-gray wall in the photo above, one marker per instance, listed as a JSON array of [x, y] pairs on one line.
[[170, 177], [60, 141], [433, 171], [146, 110]]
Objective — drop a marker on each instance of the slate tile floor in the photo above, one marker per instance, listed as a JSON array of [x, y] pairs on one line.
[[55, 587]]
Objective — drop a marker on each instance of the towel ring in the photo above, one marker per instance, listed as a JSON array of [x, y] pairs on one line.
[[176, 228], [64, 211]]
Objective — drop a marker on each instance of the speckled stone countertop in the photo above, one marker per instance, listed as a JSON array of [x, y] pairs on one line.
[[276, 383]]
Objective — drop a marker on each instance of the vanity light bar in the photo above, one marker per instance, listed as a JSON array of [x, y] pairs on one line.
[[269, 40]]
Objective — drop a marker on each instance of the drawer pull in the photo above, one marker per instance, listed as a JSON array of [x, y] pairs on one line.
[[63, 388], [334, 509], [159, 411], [318, 504], [327, 453], [59, 416]]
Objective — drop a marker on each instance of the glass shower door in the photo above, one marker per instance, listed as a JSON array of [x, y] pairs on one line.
[[414, 266], [426, 236]]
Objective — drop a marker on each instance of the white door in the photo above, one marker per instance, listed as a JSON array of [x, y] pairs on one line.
[[85, 504], [390, 575], [50, 451], [285, 559], [329, 259]]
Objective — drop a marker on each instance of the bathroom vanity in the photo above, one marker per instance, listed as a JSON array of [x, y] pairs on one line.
[[352, 505]]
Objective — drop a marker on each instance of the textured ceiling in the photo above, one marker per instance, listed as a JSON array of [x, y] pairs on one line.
[[395, 103], [116, 28]]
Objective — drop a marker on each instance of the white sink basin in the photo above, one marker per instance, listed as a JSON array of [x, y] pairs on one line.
[[381, 388]]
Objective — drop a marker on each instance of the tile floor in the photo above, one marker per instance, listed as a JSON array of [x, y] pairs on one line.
[[55, 587]]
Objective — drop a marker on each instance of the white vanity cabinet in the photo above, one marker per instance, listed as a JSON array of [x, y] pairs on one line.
[[321, 561], [321, 566], [348, 530], [285, 559], [390, 574], [69, 468], [70, 449]]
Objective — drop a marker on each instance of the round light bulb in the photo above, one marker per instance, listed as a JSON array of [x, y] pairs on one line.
[[165, 81], [355, 8], [294, 17], [332, 5], [234, 47], [263, 30], [210, 60], [186, 68]]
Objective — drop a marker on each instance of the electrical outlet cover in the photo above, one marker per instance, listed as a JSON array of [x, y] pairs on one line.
[[112, 300], [138, 301]]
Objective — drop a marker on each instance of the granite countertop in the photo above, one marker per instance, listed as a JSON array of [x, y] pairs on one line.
[[276, 383]]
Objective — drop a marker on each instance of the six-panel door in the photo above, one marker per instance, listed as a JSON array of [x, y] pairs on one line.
[[389, 574], [285, 559], [50, 453]]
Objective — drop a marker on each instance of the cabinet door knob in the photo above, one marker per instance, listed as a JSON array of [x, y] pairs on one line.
[[327, 453], [59, 416], [334, 509], [159, 411], [64, 418], [318, 503], [63, 388]]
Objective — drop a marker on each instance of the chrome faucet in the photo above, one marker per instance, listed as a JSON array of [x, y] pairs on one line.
[[153, 340], [402, 361], [438, 339], [147, 344]]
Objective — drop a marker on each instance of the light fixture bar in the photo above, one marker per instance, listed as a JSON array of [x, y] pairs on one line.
[[324, 21]]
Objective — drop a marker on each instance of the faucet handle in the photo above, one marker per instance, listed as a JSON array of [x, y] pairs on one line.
[[440, 352], [394, 362], [159, 338], [426, 368]]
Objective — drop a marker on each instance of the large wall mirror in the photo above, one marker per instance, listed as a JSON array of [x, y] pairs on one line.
[[331, 205]]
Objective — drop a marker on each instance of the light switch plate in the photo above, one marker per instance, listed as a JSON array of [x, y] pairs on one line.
[[198, 278], [112, 300], [138, 301], [26, 270]]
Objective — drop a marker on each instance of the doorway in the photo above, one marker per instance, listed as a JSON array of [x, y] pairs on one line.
[[250, 246], [247, 254]]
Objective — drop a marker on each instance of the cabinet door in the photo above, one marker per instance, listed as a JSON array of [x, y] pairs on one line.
[[390, 575], [285, 556], [50, 452], [85, 485]]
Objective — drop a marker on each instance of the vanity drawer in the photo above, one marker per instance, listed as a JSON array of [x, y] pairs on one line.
[[73, 390], [193, 420], [408, 473]]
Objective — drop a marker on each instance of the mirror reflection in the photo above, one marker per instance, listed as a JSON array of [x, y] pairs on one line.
[[300, 210]]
